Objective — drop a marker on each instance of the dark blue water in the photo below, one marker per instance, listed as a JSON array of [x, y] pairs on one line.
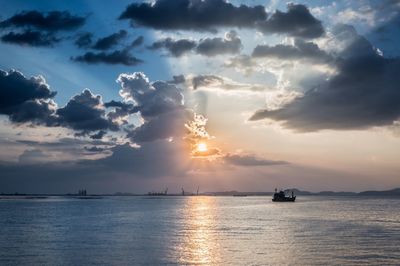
[[200, 230]]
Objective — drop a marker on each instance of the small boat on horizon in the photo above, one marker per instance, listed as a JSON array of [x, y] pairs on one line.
[[281, 196]]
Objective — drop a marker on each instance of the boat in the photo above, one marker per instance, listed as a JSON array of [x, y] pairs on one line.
[[281, 197]]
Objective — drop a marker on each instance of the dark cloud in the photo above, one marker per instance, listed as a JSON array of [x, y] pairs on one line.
[[40, 112], [250, 160], [84, 40], [121, 111], [192, 15], [30, 38], [99, 135], [163, 126], [152, 98], [297, 21], [137, 42], [231, 44], [110, 41], [364, 92], [175, 47], [160, 105], [300, 50], [51, 21], [26, 99], [117, 104], [122, 57], [85, 112]]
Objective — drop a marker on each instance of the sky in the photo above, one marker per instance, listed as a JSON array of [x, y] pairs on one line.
[[138, 96]]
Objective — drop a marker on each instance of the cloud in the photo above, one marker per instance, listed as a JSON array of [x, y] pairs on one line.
[[94, 149], [297, 22], [85, 112], [84, 40], [300, 50], [241, 63], [192, 15], [160, 105], [30, 38], [163, 126], [50, 21], [250, 160], [69, 149], [122, 57], [33, 156], [363, 93], [151, 159], [215, 82], [231, 44], [99, 135], [26, 99], [175, 47], [110, 41], [137, 42]]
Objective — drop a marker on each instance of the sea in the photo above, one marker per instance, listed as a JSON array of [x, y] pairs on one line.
[[200, 230]]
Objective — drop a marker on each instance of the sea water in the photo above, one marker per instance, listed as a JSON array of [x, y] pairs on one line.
[[196, 230]]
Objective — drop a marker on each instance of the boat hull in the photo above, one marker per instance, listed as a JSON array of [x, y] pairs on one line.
[[287, 199]]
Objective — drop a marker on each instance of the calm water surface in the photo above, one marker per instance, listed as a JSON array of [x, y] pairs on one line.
[[200, 230]]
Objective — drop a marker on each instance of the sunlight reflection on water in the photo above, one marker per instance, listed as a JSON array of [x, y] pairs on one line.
[[199, 245]]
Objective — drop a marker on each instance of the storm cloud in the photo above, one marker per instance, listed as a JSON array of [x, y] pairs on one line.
[[175, 47], [231, 44], [50, 21], [297, 22], [85, 112], [192, 15], [364, 93], [122, 57], [160, 105], [30, 38], [26, 99], [110, 41]]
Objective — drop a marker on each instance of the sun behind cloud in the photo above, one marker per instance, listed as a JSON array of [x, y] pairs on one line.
[[202, 147]]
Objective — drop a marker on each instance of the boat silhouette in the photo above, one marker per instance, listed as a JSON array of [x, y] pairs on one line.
[[281, 196]]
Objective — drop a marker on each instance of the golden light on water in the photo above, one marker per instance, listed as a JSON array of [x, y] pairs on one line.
[[198, 245]]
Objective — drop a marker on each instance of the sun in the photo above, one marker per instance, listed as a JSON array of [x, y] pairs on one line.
[[202, 147]]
